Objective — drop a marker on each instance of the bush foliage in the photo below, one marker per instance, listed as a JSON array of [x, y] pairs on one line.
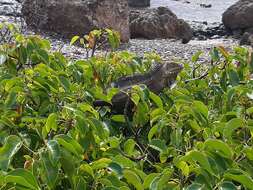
[[197, 135]]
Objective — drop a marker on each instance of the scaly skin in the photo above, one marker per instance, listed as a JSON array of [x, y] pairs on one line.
[[158, 78]]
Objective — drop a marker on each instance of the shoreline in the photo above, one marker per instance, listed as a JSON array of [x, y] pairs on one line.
[[166, 48]]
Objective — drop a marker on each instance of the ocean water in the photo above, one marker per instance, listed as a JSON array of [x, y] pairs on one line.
[[193, 11]]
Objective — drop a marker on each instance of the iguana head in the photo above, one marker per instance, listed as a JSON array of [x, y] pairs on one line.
[[170, 72]]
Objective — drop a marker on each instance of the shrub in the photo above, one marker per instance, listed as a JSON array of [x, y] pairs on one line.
[[197, 135]]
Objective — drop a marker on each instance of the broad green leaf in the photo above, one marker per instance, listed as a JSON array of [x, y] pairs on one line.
[[233, 77], [239, 177], [156, 99], [51, 122], [87, 168], [116, 168], [22, 177], [135, 98], [152, 132], [248, 151], [149, 179], [201, 107], [110, 188], [124, 162], [54, 149], [119, 118], [218, 147], [101, 163], [74, 39], [183, 166], [10, 148], [226, 185], [195, 186], [50, 170], [198, 157], [133, 179], [129, 146], [164, 178], [196, 56], [158, 145], [71, 145], [232, 125], [81, 184]]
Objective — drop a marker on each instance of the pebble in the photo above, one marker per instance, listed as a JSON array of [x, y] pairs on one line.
[[168, 49]]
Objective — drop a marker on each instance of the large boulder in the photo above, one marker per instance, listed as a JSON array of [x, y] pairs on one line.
[[139, 3], [77, 17], [239, 16], [160, 23]]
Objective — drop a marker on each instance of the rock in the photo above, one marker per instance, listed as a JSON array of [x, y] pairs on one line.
[[204, 30], [205, 5], [158, 23], [77, 17], [247, 39], [239, 16], [139, 3]]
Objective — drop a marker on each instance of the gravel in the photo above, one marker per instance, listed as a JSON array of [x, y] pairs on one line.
[[167, 48]]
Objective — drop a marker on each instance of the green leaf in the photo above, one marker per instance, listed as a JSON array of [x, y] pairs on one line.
[[233, 77], [54, 149], [201, 107], [116, 168], [10, 148], [74, 39], [129, 146], [124, 162], [248, 151], [231, 126], [149, 179], [43, 55], [183, 166], [50, 170], [226, 185], [71, 145], [198, 157], [22, 177], [51, 122], [195, 186], [240, 177], [156, 99], [152, 132], [133, 179], [87, 168], [196, 56], [158, 145], [101, 163], [119, 118], [218, 147]]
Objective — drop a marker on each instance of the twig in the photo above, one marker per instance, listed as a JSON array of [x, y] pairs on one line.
[[198, 78]]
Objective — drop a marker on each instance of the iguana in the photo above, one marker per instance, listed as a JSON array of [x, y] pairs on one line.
[[158, 78]]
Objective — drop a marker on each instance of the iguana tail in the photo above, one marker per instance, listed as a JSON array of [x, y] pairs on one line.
[[101, 103]]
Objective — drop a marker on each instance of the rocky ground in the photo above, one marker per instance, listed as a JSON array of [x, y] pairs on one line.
[[168, 49]]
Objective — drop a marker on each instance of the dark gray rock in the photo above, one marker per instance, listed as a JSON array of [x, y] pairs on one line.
[[158, 23], [239, 16], [77, 17], [204, 30], [139, 3], [247, 39]]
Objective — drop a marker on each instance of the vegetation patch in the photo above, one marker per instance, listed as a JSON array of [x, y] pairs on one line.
[[197, 135]]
